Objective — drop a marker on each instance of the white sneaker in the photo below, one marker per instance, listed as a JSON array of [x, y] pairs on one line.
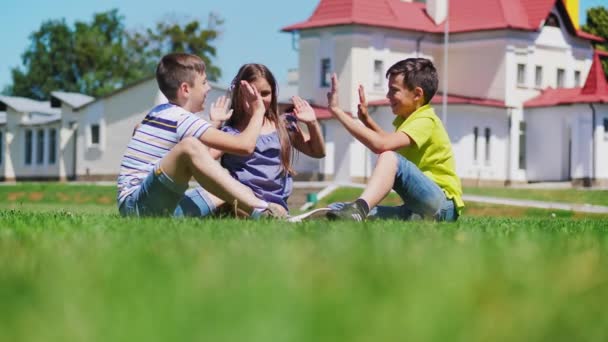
[[310, 215]]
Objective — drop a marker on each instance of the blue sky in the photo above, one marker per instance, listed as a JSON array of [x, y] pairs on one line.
[[251, 32]]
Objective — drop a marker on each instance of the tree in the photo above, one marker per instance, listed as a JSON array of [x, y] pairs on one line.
[[597, 24], [99, 57], [192, 38]]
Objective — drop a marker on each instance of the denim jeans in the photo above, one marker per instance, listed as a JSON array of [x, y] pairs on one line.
[[195, 203], [422, 198], [156, 195]]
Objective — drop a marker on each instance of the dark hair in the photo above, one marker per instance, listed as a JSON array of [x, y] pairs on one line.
[[417, 72], [250, 73], [175, 69]]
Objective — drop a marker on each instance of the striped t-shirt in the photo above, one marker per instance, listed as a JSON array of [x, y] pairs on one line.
[[163, 127]]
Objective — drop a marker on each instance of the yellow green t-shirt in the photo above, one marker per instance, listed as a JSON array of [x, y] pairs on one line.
[[431, 150]]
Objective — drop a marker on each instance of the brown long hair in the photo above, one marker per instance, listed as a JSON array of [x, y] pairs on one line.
[[250, 73]]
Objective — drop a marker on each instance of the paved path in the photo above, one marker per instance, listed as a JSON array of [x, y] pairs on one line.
[[584, 208]]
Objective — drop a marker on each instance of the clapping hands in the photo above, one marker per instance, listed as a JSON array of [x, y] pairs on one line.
[[302, 110]]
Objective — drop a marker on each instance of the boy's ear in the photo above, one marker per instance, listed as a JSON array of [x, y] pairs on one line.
[[184, 89], [419, 93]]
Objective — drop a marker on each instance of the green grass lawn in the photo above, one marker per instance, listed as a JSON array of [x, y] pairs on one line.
[[72, 270]]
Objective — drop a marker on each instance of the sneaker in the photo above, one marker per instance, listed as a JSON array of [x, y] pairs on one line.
[[310, 215], [350, 211]]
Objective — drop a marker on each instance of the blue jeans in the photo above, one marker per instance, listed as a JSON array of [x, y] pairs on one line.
[[422, 198], [156, 195], [194, 203]]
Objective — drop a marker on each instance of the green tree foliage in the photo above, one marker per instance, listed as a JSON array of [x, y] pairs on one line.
[[99, 57], [597, 24]]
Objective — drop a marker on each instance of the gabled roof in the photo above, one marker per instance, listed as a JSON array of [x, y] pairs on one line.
[[74, 100], [42, 120], [25, 105], [595, 89], [454, 100], [464, 15]]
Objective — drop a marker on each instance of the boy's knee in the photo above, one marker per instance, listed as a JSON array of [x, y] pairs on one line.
[[389, 157]]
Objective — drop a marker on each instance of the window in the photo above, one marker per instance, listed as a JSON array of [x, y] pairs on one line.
[[95, 134], [475, 137], [552, 20], [521, 75], [40, 146], [522, 145], [52, 146], [560, 78], [488, 135], [605, 126], [325, 72], [577, 78], [28, 147], [1, 146], [378, 74], [538, 76]]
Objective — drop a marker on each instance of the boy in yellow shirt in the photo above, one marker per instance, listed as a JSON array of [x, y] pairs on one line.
[[416, 160]]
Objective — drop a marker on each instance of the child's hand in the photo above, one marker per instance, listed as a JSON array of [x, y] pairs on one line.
[[220, 110], [303, 110], [362, 111], [332, 96], [252, 100]]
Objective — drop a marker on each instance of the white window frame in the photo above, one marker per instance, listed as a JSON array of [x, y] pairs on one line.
[[521, 75], [378, 74], [40, 146], [52, 147], [1, 146], [577, 78], [29, 150], [538, 76], [90, 135], [325, 73], [488, 140], [560, 78], [475, 144]]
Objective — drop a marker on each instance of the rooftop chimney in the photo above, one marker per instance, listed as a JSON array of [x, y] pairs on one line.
[[437, 10]]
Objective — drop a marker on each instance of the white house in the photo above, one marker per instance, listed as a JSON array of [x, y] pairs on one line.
[[74, 136], [29, 135], [500, 55]]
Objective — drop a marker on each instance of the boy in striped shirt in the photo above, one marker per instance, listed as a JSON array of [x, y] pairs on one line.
[[171, 146]]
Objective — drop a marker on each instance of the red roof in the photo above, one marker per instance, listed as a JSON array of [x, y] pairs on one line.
[[466, 16], [595, 89], [453, 99]]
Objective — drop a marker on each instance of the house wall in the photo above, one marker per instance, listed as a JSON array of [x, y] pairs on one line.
[[13, 165], [601, 147], [559, 143], [117, 116], [3, 151]]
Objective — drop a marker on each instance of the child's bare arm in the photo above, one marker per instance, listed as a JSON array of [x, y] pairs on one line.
[[373, 140], [363, 113], [311, 144]]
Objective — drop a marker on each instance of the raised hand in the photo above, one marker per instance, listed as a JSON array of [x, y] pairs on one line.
[[252, 100], [302, 110], [332, 95], [362, 111], [220, 110]]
